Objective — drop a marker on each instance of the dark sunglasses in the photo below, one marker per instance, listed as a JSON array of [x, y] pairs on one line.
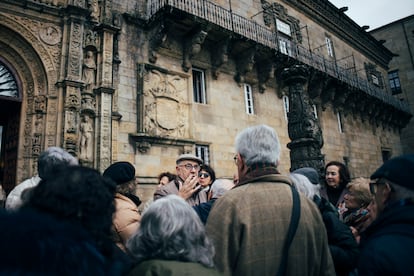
[[203, 175]]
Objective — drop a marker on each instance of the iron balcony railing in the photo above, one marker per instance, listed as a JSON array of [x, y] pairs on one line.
[[261, 34]]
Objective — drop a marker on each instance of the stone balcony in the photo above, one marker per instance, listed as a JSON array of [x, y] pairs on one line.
[[255, 46]]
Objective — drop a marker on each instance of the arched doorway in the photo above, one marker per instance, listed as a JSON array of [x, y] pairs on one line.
[[10, 106]]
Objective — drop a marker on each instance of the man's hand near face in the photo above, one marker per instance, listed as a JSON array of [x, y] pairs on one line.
[[189, 187]]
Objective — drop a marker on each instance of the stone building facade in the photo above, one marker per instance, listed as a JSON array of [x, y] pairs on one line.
[[144, 81], [398, 37]]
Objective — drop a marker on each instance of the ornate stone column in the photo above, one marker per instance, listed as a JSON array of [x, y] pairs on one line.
[[72, 83], [303, 127], [104, 97]]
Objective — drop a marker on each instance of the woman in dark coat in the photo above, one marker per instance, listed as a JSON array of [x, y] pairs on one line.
[[342, 244], [336, 178], [82, 197]]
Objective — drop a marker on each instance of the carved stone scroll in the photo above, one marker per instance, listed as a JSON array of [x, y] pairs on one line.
[[192, 46], [245, 62], [220, 56]]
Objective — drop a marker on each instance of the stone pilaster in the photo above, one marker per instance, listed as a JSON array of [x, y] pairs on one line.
[[103, 128]]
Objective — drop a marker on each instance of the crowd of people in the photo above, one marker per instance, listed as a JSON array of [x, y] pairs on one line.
[[74, 220]]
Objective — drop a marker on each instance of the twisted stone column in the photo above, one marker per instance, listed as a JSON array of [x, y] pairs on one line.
[[303, 128]]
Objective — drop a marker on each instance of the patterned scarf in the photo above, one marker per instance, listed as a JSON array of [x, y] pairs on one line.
[[256, 170]]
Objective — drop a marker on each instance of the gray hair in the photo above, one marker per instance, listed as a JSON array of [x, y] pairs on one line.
[[304, 186], [53, 158], [220, 186], [258, 144], [171, 230]]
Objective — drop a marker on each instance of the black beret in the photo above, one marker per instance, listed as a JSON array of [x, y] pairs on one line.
[[310, 173], [120, 172], [397, 170]]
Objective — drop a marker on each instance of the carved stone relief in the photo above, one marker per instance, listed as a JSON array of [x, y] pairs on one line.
[[245, 62], [75, 51], [276, 10], [157, 40], [50, 35], [37, 137], [40, 104], [88, 102], [192, 47], [220, 57], [86, 143], [71, 121], [89, 70], [91, 39], [164, 109], [72, 98], [93, 6]]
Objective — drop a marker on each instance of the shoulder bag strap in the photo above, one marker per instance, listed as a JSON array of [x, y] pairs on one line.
[[294, 221]]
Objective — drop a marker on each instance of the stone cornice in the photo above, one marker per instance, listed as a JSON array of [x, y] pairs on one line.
[[336, 22], [143, 141], [31, 9]]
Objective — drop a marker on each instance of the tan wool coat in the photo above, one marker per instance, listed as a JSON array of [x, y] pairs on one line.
[[248, 226], [126, 220]]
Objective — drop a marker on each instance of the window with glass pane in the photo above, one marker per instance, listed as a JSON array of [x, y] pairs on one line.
[[286, 106], [394, 81], [199, 86], [340, 122], [329, 46], [375, 79], [285, 47], [248, 96], [203, 152], [8, 84]]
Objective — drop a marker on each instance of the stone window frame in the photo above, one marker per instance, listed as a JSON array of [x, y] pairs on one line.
[[203, 152], [283, 27], [340, 120], [394, 82], [275, 11], [248, 98], [285, 100], [373, 75], [330, 49], [199, 85]]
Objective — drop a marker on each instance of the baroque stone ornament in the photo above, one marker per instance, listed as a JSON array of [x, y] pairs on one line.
[[245, 64], [192, 47], [86, 130], [164, 111], [221, 57], [50, 35], [303, 128], [157, 41]]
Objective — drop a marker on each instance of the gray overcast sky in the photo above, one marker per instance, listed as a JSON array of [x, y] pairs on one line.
[[376, 13]]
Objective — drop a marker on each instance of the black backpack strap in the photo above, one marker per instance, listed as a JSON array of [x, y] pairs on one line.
[[294, 221]]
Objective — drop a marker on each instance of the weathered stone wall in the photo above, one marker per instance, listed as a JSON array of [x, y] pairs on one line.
[[130, 95], [399, 39]]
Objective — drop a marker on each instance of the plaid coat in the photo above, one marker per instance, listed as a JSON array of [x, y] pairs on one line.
[[248, 226]]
